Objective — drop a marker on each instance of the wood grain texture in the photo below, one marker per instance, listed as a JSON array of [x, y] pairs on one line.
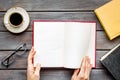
[[51, 10], [42, 5], [49, 74], [82, 16], [21, 61], [10, 41]]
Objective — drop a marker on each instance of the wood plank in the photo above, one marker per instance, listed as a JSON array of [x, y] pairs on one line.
[[21, 61], [43, 5], [101, 74], [52, 10], [10, 41], [99, 54], [82, 16], [12, 75], [52, 74], [104, 43]]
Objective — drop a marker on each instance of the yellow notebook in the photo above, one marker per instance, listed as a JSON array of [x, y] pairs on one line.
[[109, 16]]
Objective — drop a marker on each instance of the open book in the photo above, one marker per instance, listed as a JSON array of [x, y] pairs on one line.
[[63, 43]]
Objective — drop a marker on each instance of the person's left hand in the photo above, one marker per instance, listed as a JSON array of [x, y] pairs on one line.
[[33, 73]]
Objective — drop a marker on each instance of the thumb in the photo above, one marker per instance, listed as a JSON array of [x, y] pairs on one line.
[[74, 76], [37, 70]]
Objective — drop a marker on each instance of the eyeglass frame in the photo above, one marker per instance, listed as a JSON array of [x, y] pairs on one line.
[[7, 58]]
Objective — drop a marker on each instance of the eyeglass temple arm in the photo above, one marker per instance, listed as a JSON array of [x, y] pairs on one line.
[[7, 59]]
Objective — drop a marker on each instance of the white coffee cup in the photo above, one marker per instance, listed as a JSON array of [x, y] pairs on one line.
[[16, 20]]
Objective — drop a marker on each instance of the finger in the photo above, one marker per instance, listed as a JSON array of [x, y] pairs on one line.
[[87, 74], [32, 49], [88, 68], [31, 56], [37, 70], [30, 53], [88, 59], [31, 65], [82, 62], [76, 71], [31, 61], [83, 67]]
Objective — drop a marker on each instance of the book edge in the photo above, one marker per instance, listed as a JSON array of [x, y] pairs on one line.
[[65, 21], [33, 33], [102, 58], [95, 44]]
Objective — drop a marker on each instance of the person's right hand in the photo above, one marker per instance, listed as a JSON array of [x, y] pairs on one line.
[[84, 72]]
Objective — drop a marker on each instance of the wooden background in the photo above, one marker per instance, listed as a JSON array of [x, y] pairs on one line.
[[54, 10]]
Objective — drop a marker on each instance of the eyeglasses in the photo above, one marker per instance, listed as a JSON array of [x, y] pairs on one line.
[[9, 59]]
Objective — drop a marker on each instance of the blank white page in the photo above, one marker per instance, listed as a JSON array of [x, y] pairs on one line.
[[77, 40], [49, 43], [91, 49], [63, 44]]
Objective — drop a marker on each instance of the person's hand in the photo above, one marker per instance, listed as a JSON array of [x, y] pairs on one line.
[[84, 72], [33, 73]]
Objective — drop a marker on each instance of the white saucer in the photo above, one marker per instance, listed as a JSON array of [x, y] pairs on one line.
[[22, 27]]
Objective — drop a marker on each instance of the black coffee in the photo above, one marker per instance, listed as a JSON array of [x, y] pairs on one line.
[[16, 19]]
